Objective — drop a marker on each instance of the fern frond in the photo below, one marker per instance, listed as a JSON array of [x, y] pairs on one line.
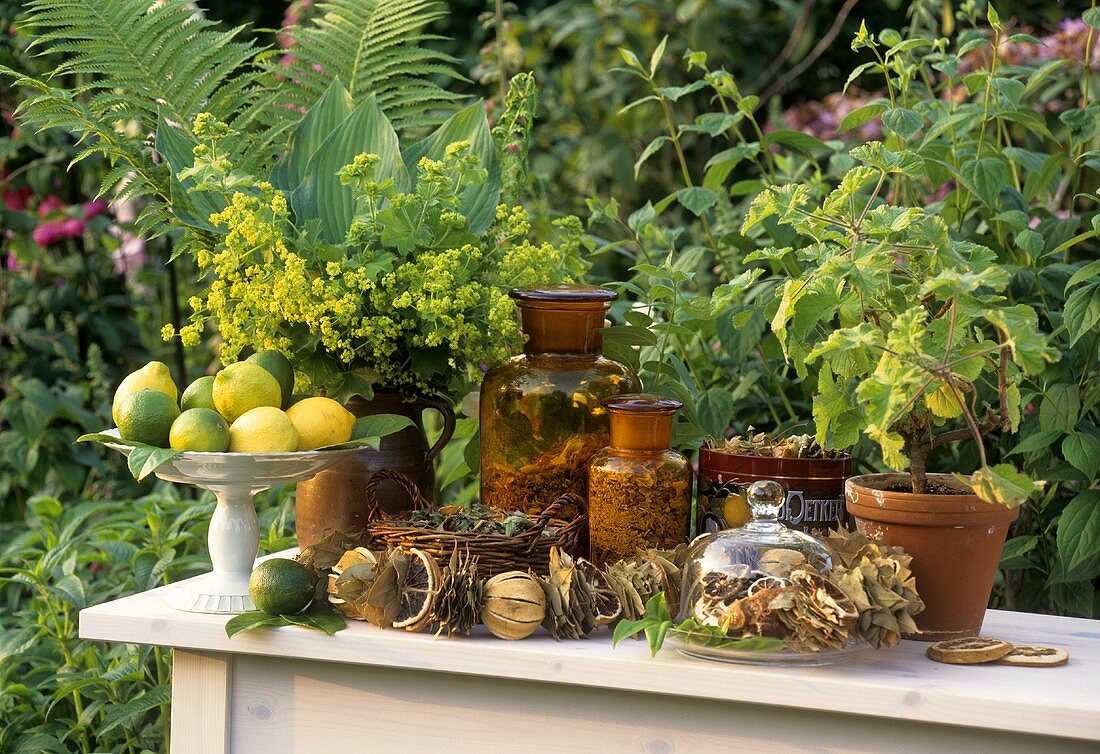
[[374, 47], [133, 60]]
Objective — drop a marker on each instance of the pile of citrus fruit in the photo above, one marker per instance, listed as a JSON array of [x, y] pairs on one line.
[[247, 407]]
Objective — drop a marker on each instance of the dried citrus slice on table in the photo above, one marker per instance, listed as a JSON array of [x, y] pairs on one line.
[[970, 650], [1033, 656]]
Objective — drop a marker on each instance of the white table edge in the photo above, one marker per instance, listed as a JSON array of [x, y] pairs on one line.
[[630, 668]]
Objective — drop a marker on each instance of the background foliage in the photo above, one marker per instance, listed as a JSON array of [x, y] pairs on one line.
[[660, 149]]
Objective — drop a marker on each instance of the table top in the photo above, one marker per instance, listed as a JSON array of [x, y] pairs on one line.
[[899, 682]]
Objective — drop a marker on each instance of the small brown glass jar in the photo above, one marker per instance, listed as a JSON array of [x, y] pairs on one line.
[[639, 490], [541, 418]]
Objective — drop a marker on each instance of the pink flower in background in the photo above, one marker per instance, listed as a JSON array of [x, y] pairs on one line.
[[55, 231], [93, 208], [50, 204], [821, 119], [17, 200]]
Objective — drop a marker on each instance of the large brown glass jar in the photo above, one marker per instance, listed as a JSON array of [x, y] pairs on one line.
[[639, 490], [541, 418]]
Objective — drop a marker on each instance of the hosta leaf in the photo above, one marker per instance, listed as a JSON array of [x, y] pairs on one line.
[[321, 196], [332, 109], [479, 202]]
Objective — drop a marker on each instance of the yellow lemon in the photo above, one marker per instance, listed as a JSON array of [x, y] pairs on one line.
[[243, 386], [320, 422], [736, 511], [146, 417], [200, 429], [265, 429], [152, 376]]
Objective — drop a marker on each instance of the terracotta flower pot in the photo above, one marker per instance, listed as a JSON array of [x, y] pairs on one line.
[[336, 499], [815, 488], [955, 541]]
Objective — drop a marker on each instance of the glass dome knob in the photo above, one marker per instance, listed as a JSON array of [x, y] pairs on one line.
[[765, 498]]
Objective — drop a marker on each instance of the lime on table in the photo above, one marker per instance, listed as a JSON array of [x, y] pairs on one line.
[[199, 394], [280, 586], [264, 429], [200, 429], [320, 422], [243, 386], [152, 376], [280, 368], [146, 417]]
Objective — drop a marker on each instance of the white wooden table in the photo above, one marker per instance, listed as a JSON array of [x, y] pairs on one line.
[[368, 690]]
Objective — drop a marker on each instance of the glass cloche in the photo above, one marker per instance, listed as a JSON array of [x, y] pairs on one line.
[[725, 566]]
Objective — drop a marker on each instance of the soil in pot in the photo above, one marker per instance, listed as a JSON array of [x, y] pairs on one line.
[[955, 540]]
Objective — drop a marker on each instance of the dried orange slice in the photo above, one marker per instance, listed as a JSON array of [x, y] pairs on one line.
[[1033, 656], [419, 588], [970, 650]]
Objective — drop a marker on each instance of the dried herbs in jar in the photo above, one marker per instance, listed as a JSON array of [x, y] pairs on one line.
[[639, 490], [541, 418]]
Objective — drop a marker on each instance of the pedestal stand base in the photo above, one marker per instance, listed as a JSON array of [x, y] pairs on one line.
[[218, 593]]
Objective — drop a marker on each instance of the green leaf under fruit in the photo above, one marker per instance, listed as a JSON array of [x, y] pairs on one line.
[[317, 617], [142, 459]]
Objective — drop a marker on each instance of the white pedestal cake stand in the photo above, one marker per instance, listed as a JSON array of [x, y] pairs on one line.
[[234, 537]]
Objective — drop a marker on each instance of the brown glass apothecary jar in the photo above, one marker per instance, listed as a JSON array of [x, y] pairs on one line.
[[639, 489], [541, 418]]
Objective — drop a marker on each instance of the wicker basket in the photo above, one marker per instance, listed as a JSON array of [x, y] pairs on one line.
[[495, 553]]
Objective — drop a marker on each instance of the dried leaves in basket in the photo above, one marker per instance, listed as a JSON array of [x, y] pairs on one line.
[[475, 519], [877, 579]]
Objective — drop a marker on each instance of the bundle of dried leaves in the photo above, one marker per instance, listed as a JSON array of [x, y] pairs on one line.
[[878, 581], [636, 579], [574, 606], [458, 608]]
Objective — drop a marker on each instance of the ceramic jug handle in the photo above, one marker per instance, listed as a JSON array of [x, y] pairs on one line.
[[437, 403]]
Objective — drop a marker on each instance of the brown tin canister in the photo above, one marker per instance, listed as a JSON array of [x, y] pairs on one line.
[[815, 488]]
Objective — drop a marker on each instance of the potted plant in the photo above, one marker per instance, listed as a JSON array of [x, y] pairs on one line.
[[812, 476], [914, 347], [379, 268]]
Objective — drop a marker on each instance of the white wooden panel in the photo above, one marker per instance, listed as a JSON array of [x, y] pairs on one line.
[[299, 707], [201, 702]]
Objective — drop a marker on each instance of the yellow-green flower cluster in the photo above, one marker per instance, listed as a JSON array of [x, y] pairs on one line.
[[411, 296]]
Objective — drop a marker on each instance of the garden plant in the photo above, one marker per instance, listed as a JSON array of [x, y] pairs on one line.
[[882, 228]]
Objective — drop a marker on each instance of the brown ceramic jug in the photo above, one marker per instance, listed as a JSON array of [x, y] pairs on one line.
[[336, 498]]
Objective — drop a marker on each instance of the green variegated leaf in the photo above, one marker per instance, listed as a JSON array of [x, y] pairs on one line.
[[1002, 484]]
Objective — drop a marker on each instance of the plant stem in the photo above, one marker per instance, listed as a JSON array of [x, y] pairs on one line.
[[500, 52]]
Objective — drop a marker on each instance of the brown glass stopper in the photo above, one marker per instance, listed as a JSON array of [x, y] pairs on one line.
[[641, 421], [563, 319]]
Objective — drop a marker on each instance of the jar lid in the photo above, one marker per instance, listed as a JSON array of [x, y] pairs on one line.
[[564, 293], [642, 403]]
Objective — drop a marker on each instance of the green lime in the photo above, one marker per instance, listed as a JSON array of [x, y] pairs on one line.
[[280, 369], [199, 394], [280, 586], [201, 429], [146, 416], [243, 386], [152, 376]]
